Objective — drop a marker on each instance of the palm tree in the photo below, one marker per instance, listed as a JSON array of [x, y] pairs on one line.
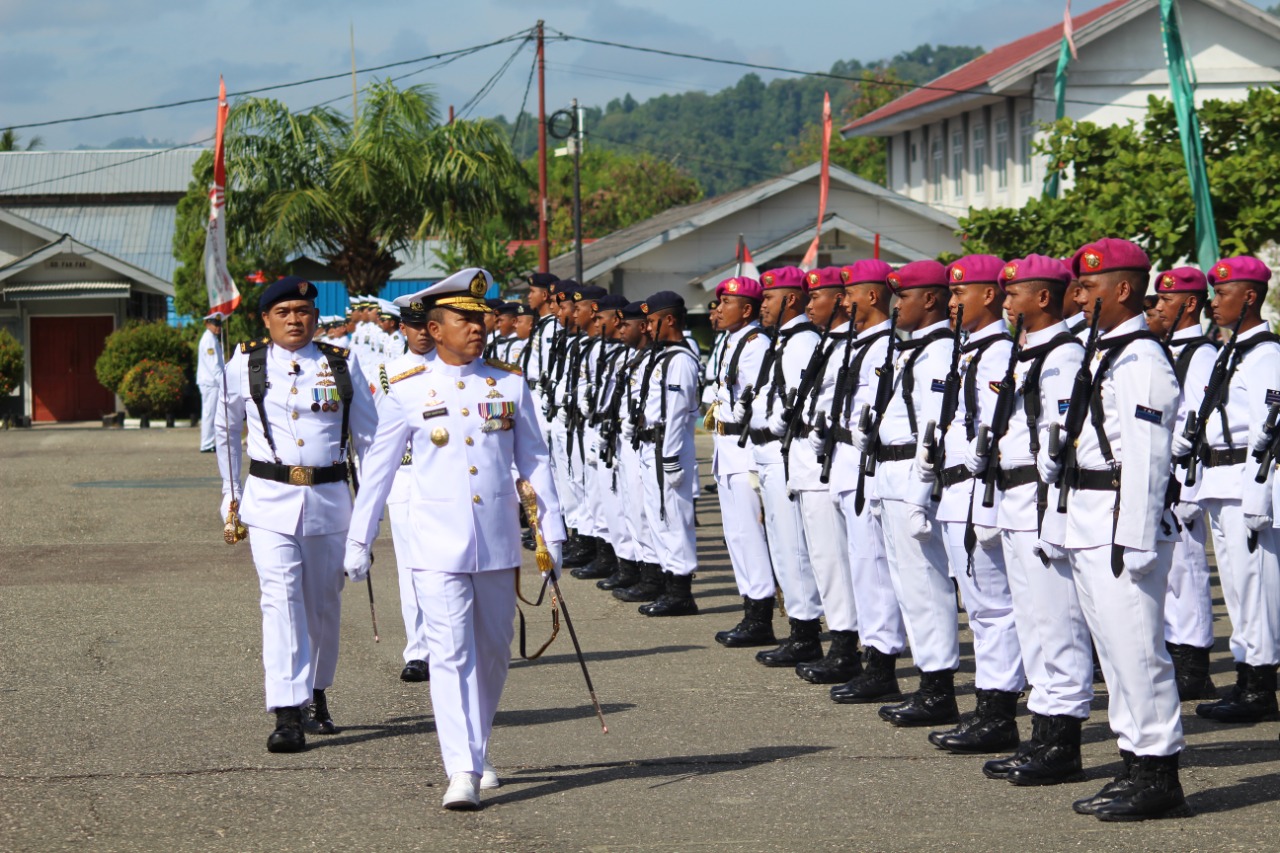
[[9, 141], [356, 192]]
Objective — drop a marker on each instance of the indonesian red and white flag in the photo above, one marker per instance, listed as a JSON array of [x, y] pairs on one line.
[[746, 266], [224, 296], [824, 184], [1068, 31]]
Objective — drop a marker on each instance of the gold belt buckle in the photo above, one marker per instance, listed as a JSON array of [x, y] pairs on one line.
[[301, 475]]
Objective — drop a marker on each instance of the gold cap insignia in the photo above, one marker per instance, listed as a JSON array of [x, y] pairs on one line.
[[767, 279], [845, 276], [812, 277], [595, 306], [302, 287], [577, 297], [417, 306], [479, 285], [1009, 271], [1222, 271], [732, 286], [1168, 280], [957, 274], [1092, 260], [644, 306]]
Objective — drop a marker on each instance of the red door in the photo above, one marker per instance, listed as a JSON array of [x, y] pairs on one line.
[[63, 385]]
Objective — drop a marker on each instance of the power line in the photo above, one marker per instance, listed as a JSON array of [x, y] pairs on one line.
[[523, 35], [521, 116], [863, 79], [492, 81]]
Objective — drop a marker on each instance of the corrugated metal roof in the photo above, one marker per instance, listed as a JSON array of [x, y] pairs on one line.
[[66, 289], [96, 172], [139, 234]]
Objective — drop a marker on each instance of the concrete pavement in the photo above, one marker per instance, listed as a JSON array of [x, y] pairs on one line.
[[131, 710]]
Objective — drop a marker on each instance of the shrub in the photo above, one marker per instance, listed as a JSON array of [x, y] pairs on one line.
[[136, 341], [152, 388], [10, 362]]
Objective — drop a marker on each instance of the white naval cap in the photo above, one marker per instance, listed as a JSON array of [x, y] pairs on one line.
[[387, 307], [462, 291]]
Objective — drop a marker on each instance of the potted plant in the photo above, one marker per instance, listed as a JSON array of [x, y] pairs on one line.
[[153, 388]]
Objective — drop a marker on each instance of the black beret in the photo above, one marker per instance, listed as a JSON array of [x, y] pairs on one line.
[[542, 279], [289, 287], [565, 289], [663, 300], [512, 308], [589, 293], [611, 302], [633, 311], [522, 310]]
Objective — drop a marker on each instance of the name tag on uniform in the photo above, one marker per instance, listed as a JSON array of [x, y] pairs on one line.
[[994, 386], [1063, 405], [1273, 397], [939, 386], [1144, 413], [438, 412], [673, 387]]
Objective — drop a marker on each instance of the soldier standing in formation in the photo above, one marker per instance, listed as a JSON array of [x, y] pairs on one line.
[[209, 367]]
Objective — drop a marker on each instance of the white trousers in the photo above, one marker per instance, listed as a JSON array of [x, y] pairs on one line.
[[595, 522], [470, 623], [997, 658], [300, 580], [631, 497], [1188, 608], [1250, 584], [923, 586], [1126, 618], [415, 620], [744, 536], [787, 548], [1051, 629], [674, 538], [879, 616], [209, 396], [827, 543], [609, 504], [568, 484]]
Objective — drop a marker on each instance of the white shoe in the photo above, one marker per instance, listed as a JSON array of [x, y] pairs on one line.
[[489, 779], [463, 793]]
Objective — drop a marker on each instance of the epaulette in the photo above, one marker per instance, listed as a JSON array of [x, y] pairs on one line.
[[751, 337], [330, 349], [382, 378], [413, 371], [502, 365], [250, 346]]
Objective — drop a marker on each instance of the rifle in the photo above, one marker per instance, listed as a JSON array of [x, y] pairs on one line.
[[828, 441], [1196, 424], [1168, 336], [1267, 456], [884, 393], [1077, 411], [748, 397], [837, 402], [795, 407], [1000, 418], [950, 402]]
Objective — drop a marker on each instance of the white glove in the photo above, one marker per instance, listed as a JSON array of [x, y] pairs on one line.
[[584, 405], [224, 508], [1181, 445], [739, 412], [1256, 523], [592, 455], [875, 508], [975, 463], [1138, 563], [918, 525], [1187, 512], [1050, 551], [857, 437], [1048, 468], [988, 537], [357, 561], [673, 475], [924, 468], [778, 423], [628, 429], [562, 416], [556, 549], [815, 441], [726, 414], [1257, 443]]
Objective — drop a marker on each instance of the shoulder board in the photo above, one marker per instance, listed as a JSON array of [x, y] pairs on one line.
[[250, 346], [330, 349], [751, 337], [502, 365], [382, 378], [413, 371]]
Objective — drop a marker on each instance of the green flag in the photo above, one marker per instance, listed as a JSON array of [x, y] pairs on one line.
[[1052, 179], [1182, 90]]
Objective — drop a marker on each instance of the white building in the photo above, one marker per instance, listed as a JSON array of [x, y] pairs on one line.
[[965, 140]]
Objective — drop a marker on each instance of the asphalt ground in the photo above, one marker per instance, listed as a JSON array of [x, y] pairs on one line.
[[131, 710]]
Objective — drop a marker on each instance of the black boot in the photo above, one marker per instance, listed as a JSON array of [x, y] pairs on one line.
[[676, 598], [841, 663], [1058, 760], [933, 703], [1155, 792], [1122, 784], [288, 736], [527, 540], [647, 588], [1191, 669], [578, 551], [603, 566], [800, 647], [627, 573], [756, 627], [993, 727], [318, 721], [878, 682], [1253, 700], [998, 768], [416, 671]]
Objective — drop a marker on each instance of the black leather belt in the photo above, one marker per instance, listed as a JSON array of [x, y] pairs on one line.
[[649, 434], [895, 452], [297, 475], [1011, 478], [723, 428], [761, 436], [955, 474], [1219, 458], [1096, 481]]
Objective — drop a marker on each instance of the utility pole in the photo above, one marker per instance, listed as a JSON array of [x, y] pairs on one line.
[[544, 246], [576, 142]]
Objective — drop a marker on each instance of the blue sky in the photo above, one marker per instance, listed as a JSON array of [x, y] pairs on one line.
[[74, 57]]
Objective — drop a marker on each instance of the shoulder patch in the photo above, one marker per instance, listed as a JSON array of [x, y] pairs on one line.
[[250, 346], [413, 371], [1146, 413], [751, 337], [1273, 397], [503, 365], [330, 349], [382, 378]]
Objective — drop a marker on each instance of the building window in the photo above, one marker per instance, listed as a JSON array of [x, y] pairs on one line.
[[935, 158], [1002, 153], [979, 160], [957, 163], [1025, 135]]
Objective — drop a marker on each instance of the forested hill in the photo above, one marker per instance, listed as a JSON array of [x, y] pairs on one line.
[[745, 133]]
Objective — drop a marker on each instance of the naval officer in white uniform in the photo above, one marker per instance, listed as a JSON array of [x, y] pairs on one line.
[[209, 367], [468, 422]]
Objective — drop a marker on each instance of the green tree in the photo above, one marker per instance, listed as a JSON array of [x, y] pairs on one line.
[[357, 192], [1130, 181], [9, 141], [491, 252], [862, 155]]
